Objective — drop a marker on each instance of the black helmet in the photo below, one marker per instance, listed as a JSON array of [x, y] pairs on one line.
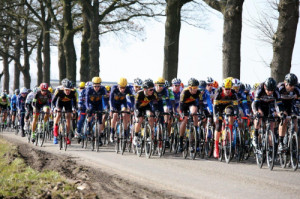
[[17, 91], [291, 79], [67, 83], [202, 84], [148, 83], [242, 87], [270, 83], [3, 95], [193, 82]]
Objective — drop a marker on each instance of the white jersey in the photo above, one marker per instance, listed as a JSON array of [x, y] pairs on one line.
[[29, 98]]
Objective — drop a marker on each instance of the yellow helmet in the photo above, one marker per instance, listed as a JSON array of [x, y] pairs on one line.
[[81, 84], [227, 83], [122, 82], [50, 89], [160, 80], [107, 88], [96, 80], [255, 85]]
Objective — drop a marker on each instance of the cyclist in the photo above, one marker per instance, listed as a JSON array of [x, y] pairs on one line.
[[13, 106], [169, 107], [176, 91], [266, 98], [189, 99], [137, 86], [42, 99], [210, 87], [225, 100], [28, 107], [82, 108], [204, 104], [64, 97], [4, 107], [118, 102], [289, 93], [93, 103], [248, 96], [145, 101], [21, 99], [106, 105]]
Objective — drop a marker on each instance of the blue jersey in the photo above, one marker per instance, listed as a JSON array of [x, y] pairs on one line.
[[117, 98], [163, 96], [81, 99], [21, 102], [94, 99], [13, 103], [242, 102], [205, 101]]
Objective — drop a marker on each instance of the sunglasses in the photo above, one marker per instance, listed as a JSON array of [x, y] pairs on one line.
[[161, 85], [194, 87], [227, 89], [151, 89], [137, 87], [43, 90], [96, 86], [122, 87], [209, 84]]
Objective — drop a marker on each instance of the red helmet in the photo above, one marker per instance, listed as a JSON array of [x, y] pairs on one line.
[[44, 86]]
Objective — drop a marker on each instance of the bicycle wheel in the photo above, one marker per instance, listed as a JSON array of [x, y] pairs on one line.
[[259, 152], [185, 149], [118, 135], [246, 144], [209, 142], [201, 142], [29, 135], [193, 142], [294, 153], [227, 144], [123, 140], [238, 145], [60, 137], [41, 138], [164, 140], [97, 141], [159, 135], [270, 149], [148, 141]]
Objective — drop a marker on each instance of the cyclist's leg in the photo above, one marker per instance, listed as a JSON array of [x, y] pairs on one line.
[[80, 122]]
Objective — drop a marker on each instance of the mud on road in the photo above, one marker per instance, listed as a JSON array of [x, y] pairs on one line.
[[90, 182]]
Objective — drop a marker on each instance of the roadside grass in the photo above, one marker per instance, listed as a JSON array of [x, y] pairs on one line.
[[17, 180]]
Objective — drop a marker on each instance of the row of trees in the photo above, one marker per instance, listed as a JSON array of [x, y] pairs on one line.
[[28, 26]]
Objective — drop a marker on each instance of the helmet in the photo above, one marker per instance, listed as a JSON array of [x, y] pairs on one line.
[[255, 85], [291, 79], [67, 83], [202, 84], [44, 86], [209, 80], [88, 84], [122, 82], [17, 92], [193, 82], [35, 89], [81, 84], [29, 90], [160, 80], [176, 81], [236, 83], [23, 90], [3, 95], [247, 87], [138, 82], [242, 87], [270, 83], [50, 89], [96, 80], [107, 88], [227, 83], [167, 84], [148, 83], [215, 84]]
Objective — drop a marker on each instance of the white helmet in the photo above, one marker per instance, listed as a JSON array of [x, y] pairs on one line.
[[236, 83], [23, 90], [209, 80]]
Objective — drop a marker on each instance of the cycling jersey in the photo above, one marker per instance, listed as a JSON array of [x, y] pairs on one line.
[[93, 99], [81, 100], [4, 104], [118, 99], [288, 98], [187, 99], [205, 102], [242, 102], [13, 103], [144, 103], [41, 100], [21, 103], [61, 100], [221, 101], [163, 96], [29, 98]]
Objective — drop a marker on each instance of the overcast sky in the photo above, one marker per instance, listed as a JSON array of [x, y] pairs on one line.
[[200, 52]]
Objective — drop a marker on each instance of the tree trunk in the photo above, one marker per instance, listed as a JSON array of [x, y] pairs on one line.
[[5, 71], [232, 38], [68, 41], [26, 67], [39, 60], [17, 55], [171, 46], [61, 57], [46, 50], [284, 38], [84, 59], [94, 42]]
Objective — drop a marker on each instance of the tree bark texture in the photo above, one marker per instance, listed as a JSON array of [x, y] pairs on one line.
[[68, 41], [232, 38], [46, 22], [84, 58], [5, 71], [284, 38], [17, 55], [39, 60], [61, 57], [171, 46], [26, 55]]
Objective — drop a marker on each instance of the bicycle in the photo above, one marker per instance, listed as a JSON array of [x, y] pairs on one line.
[[225, 141], [247, 140], [174, 142], [266, 143], [160, 135], [40, 132], [191, 138], [145, 141], [237, 141], [291, 139], [121, 138], [209, 138], [62, 134], [28, 131], [106, 130]]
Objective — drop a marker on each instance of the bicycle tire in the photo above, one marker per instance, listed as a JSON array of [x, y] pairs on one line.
[[294, 153], [117, 141], [97, 137], [159, 134], [238, 145], [227, 145], [202, 136], [259, 153], [193, 142], [148, 141], [42, 135], [209, 142], [185, 150], [270, 149]]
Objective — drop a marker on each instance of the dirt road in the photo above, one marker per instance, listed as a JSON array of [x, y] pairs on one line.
[[170, 176]]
